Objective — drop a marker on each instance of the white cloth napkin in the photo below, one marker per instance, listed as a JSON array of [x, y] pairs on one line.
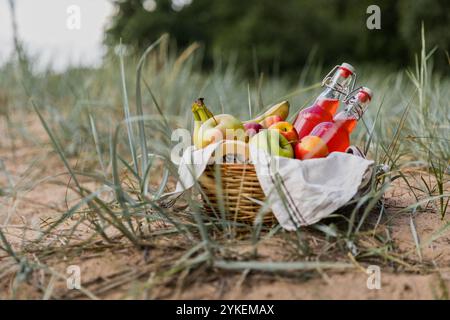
[[300, 193]]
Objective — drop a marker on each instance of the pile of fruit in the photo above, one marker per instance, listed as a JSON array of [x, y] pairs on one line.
[[315, 132], [269, 131]]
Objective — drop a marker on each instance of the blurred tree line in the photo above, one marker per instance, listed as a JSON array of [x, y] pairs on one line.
[[281, 35]]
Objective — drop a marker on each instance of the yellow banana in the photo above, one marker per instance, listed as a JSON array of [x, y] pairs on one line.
[[201, 114], [280, 109]]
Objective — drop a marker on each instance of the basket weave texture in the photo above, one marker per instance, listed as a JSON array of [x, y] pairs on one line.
[[233, 186]]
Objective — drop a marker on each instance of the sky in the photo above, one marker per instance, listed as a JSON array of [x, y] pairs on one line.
[[50, 28]]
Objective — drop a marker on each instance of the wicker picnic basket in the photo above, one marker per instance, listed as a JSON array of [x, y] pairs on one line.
[[238, 187]]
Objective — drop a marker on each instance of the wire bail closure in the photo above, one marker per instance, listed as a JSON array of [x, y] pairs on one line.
[[326, 82], [350, 99], [351, 94]]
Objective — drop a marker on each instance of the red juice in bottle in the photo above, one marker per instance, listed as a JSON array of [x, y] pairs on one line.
[[326, 105], [336, 133]]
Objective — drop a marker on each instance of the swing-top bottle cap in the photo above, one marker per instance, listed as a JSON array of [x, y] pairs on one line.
[[366, 91], [358, 100], [347, 67]]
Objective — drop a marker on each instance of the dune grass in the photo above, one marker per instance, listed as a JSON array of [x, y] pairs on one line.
[[118, 120]]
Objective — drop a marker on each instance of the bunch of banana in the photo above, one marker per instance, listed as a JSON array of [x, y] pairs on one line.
[[201, 114], [280, 109]]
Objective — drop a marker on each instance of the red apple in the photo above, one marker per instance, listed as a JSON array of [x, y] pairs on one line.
[[267, 122], [311, 147], [252, 128], [286, 129]]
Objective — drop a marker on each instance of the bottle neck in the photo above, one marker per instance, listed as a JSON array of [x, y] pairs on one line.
[[357, 105], [330, 93], [348, 118], [338, 85]]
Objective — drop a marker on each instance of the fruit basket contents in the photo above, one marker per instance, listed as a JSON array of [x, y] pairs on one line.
[[315, 174], [316, 131]]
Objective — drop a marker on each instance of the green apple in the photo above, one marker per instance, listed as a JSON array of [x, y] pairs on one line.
[[273, 142], [220, 127]]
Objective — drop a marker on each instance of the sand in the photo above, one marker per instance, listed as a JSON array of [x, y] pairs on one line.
[[39, 186]]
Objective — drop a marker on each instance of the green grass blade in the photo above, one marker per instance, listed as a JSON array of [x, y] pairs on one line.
[[126, 109], [139, 108]]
